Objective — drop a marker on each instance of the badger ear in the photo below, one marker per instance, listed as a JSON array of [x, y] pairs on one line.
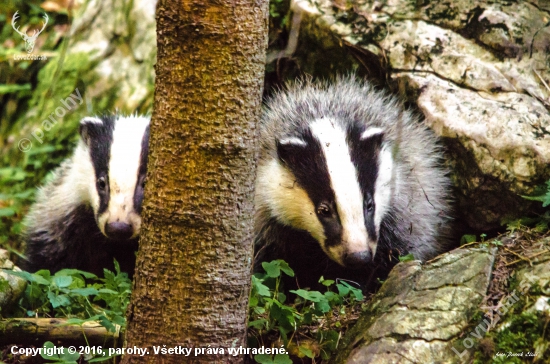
[[289, 150], [89, 127]]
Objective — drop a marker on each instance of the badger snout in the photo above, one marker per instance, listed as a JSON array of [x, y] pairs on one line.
[[357, 259], [120, 226], [119, 230]]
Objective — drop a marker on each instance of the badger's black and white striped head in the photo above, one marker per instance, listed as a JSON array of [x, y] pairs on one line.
[[112, 157], [333, 180]]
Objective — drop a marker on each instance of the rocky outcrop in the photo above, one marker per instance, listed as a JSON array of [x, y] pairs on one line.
[[420, 310]]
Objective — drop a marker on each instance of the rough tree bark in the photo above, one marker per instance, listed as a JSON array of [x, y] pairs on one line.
[[193, 268]]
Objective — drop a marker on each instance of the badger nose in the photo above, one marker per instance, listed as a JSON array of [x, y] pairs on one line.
[[357, 260], [119, 230]]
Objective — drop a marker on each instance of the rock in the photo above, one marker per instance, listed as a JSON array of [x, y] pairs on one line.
[[10, 293], [121, 40], [477, 70], [420, 310]]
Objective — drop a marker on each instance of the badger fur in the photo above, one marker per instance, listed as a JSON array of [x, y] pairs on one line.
[[348, 181], [89, 212]]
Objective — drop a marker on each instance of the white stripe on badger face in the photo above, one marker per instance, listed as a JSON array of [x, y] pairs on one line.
[[383, 186], [123, 172], [344, 183], [294, 141], [277, 191], [371, 132]]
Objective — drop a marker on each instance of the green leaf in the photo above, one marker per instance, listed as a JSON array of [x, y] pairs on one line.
[[62, 281], [72, 272], [58, 300], [105, 322], [11, 88], [49, 345], [322, 306], [343, 290], [260, 288], [107, 290], [36, 277], [64, 358], [69, 357], [406, 258], [333, 298], [313, 296], [286, 268], [272, 268], [283, 314], [85, 291], [119, 320], [544, 198], [7, 211], [329, 340], [326, 282], [466, 239], [307, 352], [356, 292], [258, 324], [278, 359]]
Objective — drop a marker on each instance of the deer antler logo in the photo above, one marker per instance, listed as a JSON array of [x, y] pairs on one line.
[[29, 40]]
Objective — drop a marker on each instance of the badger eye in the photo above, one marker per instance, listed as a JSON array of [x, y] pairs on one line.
[[101, 184], [370, 205], [323, 210]]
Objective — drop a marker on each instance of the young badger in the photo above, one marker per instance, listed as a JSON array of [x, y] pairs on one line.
[[89, 213], [347, 181]]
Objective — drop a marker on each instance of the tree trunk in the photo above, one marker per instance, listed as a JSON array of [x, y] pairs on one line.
[[193, 268]]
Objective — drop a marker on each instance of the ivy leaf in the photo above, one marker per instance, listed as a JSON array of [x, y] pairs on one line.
[[58, 300]]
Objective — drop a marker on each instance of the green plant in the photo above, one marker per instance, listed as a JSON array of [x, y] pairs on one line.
[[543, 195], [539, 223], [64, 358], [314, 313], [77, 295]]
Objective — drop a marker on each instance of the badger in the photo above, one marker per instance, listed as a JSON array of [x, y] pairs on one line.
[[89, 213], [348, 180]]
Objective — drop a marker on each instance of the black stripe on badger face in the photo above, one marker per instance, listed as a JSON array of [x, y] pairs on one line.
[[304, 157], [142, 172], [97, 134], [365, 154]]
